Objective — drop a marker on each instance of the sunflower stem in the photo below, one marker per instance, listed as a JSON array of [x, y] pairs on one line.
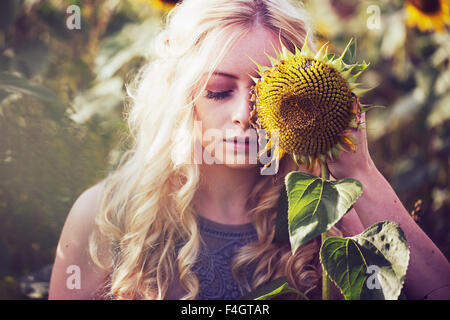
[[325, 173], [325, 278]]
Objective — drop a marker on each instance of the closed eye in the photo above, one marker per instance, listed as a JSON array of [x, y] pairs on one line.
[[218, 95]]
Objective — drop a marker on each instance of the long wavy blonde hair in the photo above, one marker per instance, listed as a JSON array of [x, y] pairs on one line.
[[147, 202]]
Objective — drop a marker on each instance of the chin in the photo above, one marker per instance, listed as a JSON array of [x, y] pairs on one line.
[[239, 160], [229, 159], [241, 166]]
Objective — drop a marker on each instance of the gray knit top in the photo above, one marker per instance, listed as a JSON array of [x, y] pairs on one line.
[[218, 247]]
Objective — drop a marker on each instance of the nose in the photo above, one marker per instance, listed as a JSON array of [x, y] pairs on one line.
[[241, 111]]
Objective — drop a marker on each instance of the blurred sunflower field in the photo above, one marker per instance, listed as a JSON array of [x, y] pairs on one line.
[[64, 66]]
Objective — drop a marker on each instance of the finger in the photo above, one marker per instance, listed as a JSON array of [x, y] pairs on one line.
[[363, 118]]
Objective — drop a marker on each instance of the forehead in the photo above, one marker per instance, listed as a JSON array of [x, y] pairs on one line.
[[252, 47]]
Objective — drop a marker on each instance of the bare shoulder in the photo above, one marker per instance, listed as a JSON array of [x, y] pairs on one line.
[[81, 217], [89, 201], [74, 274]]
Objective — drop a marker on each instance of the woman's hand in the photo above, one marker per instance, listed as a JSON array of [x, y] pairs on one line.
[[353, 163], [428, 269]]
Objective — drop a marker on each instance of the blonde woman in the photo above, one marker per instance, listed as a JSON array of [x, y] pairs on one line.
[[188, 214]]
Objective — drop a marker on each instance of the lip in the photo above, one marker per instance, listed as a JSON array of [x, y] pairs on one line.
[[247, 139], [242, 145]]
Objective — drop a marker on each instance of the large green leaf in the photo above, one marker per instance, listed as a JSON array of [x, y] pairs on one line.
[[268, 290], [371, 265], [271, 290], [13, 83], [315, 205]]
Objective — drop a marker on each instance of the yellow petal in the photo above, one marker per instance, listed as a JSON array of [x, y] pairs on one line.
[[348, 142]]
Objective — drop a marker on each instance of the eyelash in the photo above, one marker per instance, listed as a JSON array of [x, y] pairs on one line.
[[218, 95]]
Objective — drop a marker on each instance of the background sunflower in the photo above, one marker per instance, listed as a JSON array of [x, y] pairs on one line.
[[428, 15], [165, 5]]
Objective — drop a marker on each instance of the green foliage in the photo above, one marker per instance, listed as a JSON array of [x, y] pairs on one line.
[[309, 207], [347, 262], [12, 83], [315, 204], [272, 290], [61, 102]]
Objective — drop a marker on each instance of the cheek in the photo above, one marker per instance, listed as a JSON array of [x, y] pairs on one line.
[[213, 125], [211, 115]]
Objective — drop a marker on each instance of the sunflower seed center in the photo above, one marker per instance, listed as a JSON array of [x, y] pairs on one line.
[[298, 111]]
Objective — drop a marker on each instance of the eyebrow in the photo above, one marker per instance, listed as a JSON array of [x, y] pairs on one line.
[[224, 74]]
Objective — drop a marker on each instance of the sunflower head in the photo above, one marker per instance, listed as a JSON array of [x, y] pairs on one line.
[[428, 15], [307, 103], [163, 5]]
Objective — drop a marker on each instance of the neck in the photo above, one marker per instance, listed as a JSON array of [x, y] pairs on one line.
[[223, 193]]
